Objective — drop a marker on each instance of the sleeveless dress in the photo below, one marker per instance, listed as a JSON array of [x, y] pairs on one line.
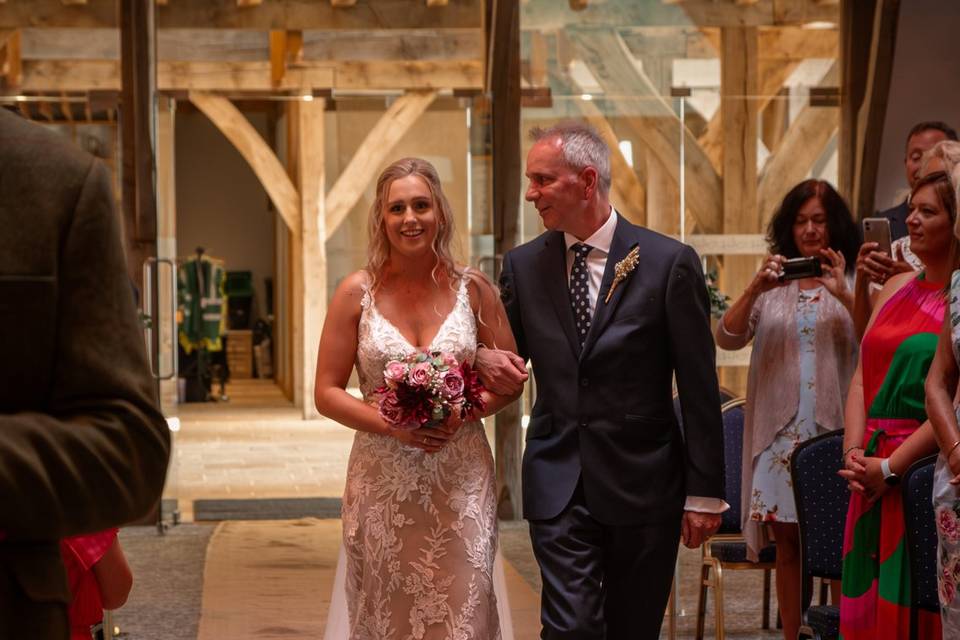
[[772, 498], [946, 505], [896, 353], [419, 529]]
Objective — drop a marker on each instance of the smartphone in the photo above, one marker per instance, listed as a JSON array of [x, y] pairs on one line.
[[877, 230], [798, 268]]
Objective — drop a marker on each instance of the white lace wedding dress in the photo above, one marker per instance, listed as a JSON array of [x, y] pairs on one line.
[[419, 529]]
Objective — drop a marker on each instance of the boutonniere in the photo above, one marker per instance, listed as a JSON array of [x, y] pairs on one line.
[[623, 269]]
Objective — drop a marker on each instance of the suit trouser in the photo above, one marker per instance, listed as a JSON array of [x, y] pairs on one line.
[[601, 581]]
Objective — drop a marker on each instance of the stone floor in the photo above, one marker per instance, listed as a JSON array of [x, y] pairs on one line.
[[256, 446]]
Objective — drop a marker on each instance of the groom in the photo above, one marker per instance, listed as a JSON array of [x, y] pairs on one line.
[[608, 313]]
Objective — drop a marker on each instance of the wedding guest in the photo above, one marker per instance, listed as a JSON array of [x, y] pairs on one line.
[[941, 405], [886, 428], [83, 444], [874, 267], [803, 357]]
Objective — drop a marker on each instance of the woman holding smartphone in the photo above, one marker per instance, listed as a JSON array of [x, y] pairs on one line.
[[804, 353], [886, 427]]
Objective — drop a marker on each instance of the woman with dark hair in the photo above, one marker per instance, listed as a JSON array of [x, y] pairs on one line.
[[886, 427], [803, 356]]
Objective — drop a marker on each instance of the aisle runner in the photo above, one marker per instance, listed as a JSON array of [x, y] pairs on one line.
[[269, 579]]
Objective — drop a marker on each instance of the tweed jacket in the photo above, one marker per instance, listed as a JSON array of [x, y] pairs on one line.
[[83, 445]]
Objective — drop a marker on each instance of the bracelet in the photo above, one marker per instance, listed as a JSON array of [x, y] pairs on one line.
[[843, 458], [955, 445]]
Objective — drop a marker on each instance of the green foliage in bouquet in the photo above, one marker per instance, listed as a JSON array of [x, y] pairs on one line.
[[719, 302]]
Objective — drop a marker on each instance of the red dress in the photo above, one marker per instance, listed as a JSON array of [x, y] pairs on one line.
[[79, 554]]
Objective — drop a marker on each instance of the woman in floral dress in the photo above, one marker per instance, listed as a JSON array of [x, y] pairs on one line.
[[943, 404], [804, 353], [886, 429]]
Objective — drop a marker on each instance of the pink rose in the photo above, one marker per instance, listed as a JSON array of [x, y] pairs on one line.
[[946, 587], [948, 525], [394, 373], [452, 386], [420, 374], [391, 410]]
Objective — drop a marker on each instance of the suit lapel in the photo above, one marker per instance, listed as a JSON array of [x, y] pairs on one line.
[[619, 248], [553, 273]]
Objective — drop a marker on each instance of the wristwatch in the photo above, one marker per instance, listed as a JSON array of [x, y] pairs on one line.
[[889, 476]]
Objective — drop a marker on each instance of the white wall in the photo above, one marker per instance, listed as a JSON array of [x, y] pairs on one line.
[[221, 204], [924, 86]]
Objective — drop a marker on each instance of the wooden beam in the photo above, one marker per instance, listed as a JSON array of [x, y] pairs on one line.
[[371, 153], [313, 240], [342, 3], [85, 75], [238, 130], [773, 73], [13, 62], [137, 155], [579, 5], [278, 56], [659, 129], [503, 36], [703, 13], [275, 14], [437, 3], [790, 43], [739, 81], [800, 148], [873, 110]]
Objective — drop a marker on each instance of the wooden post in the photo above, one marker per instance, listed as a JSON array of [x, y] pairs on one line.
[[663, 198], [738, 87], [166, 244], [507, 171], [313, 237], [138, 73]]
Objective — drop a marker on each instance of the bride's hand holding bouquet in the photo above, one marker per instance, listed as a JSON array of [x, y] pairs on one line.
[[427, 396]]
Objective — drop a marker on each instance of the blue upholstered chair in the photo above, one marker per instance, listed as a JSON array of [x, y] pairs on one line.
[[727, 550], [921, 527], [822, 498]]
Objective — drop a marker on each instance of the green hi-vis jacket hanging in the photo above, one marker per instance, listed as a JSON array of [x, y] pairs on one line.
[[201, 298]]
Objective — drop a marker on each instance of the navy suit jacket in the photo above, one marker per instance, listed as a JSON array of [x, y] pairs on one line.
[[898, 219], [605, 412]]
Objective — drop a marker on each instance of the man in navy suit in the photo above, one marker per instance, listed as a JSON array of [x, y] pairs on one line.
[[608, 313]]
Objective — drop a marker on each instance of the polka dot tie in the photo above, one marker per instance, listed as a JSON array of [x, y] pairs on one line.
[[580, 290]]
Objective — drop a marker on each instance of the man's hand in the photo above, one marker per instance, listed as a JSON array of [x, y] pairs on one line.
[[697, 527], [502, 372]]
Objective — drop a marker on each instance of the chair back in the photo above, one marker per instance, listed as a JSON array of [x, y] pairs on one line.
[[920, 523], [733, 417], [822, 498]]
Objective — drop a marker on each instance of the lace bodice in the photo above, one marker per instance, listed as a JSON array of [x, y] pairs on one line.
[[379, 341]]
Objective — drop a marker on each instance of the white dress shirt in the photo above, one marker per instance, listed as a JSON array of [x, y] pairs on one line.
[[596, 264]]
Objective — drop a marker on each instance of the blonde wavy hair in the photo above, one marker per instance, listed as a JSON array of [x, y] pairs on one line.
[[378, 246]]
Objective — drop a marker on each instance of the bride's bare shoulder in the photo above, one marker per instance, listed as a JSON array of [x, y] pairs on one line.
[[351, 289], [479, 285]]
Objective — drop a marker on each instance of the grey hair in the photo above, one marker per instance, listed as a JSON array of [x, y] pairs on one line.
[[581, 147], [947, 150]]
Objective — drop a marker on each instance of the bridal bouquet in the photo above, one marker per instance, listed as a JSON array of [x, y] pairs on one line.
[[424, 389]]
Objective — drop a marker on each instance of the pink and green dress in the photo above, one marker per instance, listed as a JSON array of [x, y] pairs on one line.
[[896, 353]]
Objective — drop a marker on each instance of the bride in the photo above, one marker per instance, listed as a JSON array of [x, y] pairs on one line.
[[419, 507]]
